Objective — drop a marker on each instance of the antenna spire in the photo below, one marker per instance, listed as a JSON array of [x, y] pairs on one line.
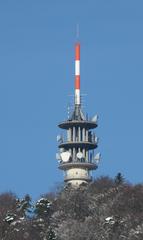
[[77, 68], [77, 31], [77, 74]]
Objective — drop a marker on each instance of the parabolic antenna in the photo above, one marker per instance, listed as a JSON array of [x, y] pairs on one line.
[[96, 139], [59, 138], [58, 157], [79, 155], [62, 150], [97, 157], [95, 118], [65, 156]]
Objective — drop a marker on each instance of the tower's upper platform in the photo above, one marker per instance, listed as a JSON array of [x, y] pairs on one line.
[[78, 119]]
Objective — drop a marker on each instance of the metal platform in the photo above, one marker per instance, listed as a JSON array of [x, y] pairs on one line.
[[83, 124], [86, 145]]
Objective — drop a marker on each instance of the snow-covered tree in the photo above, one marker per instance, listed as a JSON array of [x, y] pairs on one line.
[[42, 207]]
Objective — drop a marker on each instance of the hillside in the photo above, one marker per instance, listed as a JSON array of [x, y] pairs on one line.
[[109, 209]]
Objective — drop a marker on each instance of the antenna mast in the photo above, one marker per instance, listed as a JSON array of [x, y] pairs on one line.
[[77, 74]]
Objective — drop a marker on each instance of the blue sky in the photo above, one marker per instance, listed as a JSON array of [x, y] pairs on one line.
[[37, 74]]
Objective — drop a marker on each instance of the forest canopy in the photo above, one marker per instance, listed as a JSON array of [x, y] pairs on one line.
[[109, 209]]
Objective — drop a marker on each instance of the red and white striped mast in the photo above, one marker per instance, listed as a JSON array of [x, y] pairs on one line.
[[77, 74]]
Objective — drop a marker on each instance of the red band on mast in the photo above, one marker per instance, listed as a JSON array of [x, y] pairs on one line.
[[77, 82], [77, 51]]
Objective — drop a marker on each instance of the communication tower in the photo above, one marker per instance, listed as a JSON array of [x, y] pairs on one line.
[[76, 155]]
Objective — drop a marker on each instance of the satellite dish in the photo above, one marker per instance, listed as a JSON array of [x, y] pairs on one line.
[[59, 138], [79, 155], [58, 157], [95, 118], [65, 156], [96, 139], [97, 158], [62, 150]]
